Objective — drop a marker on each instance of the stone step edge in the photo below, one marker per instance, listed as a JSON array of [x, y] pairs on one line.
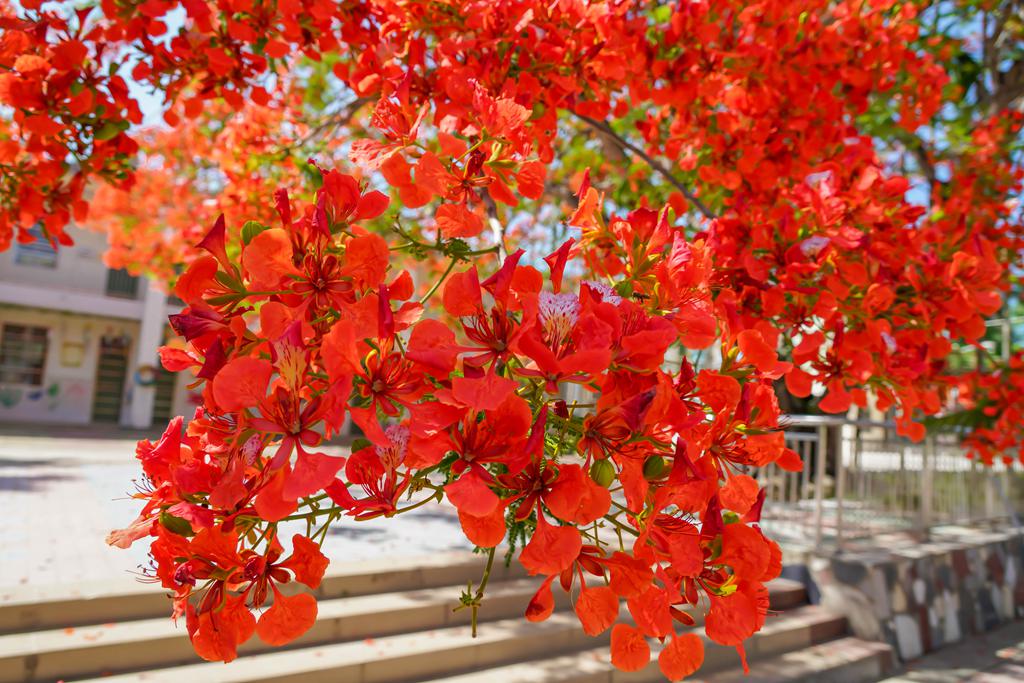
[[392, 658], [41, 607], [31, 608], [511, 636], [820, 662], [783, 594], [153, 643], [594, 666]]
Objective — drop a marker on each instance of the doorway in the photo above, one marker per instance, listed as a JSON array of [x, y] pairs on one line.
[[111, 371]]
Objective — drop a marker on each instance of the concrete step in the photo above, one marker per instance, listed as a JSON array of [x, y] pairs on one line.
[[91, 650], [433, 653], [404, 657], [58, 607], [796, 628], [786, 594], [149, 643], [844, 660]]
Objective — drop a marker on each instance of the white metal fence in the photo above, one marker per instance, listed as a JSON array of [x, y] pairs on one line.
[[859, 480]]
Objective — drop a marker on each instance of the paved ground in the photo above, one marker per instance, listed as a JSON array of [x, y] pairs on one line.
[[996, 657], [63, 489]]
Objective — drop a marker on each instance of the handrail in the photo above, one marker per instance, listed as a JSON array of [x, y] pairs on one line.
[[855, 485], [830, 421]]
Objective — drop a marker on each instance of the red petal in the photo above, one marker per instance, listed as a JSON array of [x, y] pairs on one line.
[[530, 179], [271, 505], [197, 279], [630, 651], [756, 351], [217, 635], [366, 259], [650, 611], [552, 549], [175, 360], [483, 393], [542, 604], [432, 343], [577, 498], [597, 609], [307, 562], [739, 493], [267, 259], [242, 383], [790, 461], [462, 294], [455, 220], [487, 531], [682, 656], [745, 550], [685, 551], [470, 494], [799, 383], [731, 619], [837, 400], [371, 205], [313, 471], [629, 576], [287, 619]]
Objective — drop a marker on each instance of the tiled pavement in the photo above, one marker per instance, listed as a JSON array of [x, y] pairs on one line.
[[995, 657], [63, 489]]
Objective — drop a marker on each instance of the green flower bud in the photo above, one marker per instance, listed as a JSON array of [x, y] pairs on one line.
[[654, 467], [602, 472]]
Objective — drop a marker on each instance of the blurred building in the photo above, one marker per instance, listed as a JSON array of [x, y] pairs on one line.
[[78, 340]]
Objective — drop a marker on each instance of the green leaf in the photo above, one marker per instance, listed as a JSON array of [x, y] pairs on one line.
[[108, 130], [176, 525], [360, 443], [251, 229]]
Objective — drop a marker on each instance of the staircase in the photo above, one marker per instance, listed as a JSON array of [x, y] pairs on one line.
[[389, 623]]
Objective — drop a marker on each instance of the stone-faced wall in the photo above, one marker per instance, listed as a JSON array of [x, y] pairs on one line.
[[920, 597]]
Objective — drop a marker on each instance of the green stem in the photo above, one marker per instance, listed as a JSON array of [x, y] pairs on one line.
[[481, 588], [313, 513], [444, 276], [620, 526], [481, 252]]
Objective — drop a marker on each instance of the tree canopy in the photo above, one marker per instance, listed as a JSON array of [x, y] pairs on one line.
[[437, 216]]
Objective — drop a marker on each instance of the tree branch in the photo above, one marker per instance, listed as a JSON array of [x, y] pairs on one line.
[[917, 146], [653, 163], [335, 120]]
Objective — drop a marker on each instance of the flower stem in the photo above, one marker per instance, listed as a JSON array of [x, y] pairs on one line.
[[437, 284]]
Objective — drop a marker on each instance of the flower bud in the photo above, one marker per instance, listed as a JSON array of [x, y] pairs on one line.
[[602, 472], [654, 467]]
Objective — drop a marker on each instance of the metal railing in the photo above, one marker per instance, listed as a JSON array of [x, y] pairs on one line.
[[122, 284], [861, 480]]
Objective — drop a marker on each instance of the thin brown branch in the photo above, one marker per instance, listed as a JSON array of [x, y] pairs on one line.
[[917, 146], [334, 121], [656, 165]]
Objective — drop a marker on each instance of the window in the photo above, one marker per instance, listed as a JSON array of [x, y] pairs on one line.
[[122, 284], [22, 354], [39, 252]]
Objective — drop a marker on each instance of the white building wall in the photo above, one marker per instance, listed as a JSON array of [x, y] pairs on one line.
[[66, 392], [70, 300], [79, 269]]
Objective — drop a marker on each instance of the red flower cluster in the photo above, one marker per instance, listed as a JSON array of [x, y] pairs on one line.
[[814, 237], [766, 130], [993, 410], [639, 494], [54, 78]]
